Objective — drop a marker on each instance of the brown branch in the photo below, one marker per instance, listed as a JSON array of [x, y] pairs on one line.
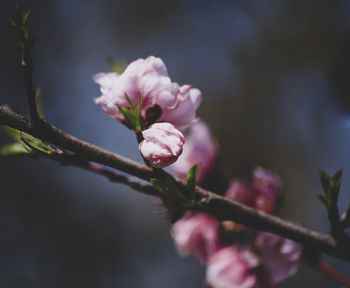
[[221, 207], [31, 95]]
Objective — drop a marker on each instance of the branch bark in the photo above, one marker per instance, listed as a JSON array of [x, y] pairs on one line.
[[209, 202]]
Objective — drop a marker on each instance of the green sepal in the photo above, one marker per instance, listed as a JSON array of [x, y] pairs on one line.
[[139, 111], [133, 118], [129, 115]]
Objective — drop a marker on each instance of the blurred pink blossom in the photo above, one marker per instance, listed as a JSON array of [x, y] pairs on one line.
[[241, 192], [196, 234], [279, 257], [162, 144], [261, 194], [200, 147], [149, 77], [231, 268], [267, 186]]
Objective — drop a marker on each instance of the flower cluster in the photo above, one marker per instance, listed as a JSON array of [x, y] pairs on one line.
[[146, 83], [145, 100], [264, 260]]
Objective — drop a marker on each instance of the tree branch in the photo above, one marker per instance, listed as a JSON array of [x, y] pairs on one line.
[[221, 207]]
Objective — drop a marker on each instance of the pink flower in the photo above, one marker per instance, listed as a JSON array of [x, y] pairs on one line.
[[241, 192], [279, 257], [261, 194], [162, 144], [231, 268], [149, 77], [267, 186], [196, 234], [200, 147]]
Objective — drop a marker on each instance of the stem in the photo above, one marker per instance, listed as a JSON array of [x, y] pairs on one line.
[[76, 161], [28, 83]]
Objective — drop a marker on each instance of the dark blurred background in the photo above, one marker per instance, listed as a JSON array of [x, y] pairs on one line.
[[274, 75]]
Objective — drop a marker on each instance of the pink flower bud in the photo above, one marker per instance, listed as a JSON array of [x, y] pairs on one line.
[[196, 234], [231, 268], [149, 77], [200, 147], [162, 144], [279, 257]]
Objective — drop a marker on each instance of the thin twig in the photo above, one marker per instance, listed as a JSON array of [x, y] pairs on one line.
[[332, 272], [111, 175], [31, 95], [221, 207]]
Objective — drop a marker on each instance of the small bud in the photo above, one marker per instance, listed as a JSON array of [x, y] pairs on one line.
[[162, 144]]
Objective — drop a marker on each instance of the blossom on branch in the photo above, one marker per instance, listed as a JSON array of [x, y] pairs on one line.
[[261, 194], [162, 100], [279, 257], [162, 144], [200, 147], [196, 234], [232, 268], [267, 185]]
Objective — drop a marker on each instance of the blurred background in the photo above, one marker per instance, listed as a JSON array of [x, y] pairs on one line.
[[274, 76]]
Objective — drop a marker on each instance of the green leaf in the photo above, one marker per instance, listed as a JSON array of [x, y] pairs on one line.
[[13, 133], [192, 177], [36, 144], [30, 143], [158, 185], [26, 17], [324, 200], [20, 21], [331, 188], [39, 103], [13, 150], [173, 191], [336, 182], [325, 181], [169, 189]]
